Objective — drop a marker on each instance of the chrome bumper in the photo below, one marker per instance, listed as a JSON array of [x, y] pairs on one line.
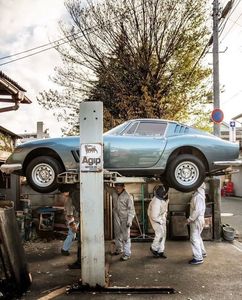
[[232, 163], [10, 168]]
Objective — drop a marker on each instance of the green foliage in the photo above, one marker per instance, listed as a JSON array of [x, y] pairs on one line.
[[6, 143], [140, 58]]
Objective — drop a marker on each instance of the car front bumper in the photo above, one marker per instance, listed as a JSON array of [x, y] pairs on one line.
[[10, 168]]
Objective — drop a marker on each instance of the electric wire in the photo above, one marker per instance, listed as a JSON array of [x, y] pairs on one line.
[[37, 47], [52, 43], [224, 22], [234, 23], [232, 97]]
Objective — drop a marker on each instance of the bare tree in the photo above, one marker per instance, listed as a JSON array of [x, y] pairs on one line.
[[142, 58]]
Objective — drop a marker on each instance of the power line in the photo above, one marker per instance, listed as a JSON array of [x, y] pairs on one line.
[[225, 20], [233, 96], [38, 47], [232, 24], [53, 43], [29, 55]]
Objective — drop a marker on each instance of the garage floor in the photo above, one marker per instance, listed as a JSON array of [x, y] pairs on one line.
[[218, 278]]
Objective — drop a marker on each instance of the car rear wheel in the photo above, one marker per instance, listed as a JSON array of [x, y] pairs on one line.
[[185, 173], [41, 174]]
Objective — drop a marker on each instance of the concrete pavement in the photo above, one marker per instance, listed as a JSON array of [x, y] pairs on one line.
[[231, 208], [218, 278]]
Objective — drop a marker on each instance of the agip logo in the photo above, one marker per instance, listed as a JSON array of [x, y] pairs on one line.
[[91, 158]]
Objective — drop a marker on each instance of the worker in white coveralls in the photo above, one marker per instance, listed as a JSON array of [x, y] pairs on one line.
[[157, 212], [196, 222], [123, 214]]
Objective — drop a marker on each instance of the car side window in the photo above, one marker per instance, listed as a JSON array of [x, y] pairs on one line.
[[131, 129], [151, 129], [146, 129]]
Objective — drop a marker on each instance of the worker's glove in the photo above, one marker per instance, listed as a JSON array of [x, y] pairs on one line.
[[74, 227], [129, 224], [188, 221]]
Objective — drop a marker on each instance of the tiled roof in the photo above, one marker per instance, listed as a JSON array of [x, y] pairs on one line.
[[11, 87], [4, 130], [2, 75]]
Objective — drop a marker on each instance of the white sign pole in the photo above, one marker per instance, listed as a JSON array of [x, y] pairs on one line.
[[91, 194]]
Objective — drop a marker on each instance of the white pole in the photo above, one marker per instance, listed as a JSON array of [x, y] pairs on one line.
[[91, 194]]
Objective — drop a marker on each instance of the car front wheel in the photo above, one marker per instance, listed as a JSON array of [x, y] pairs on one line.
[[41, 174], [185, 173]]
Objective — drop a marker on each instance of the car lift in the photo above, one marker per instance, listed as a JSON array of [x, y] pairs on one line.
[[92, 270], [73, 178]]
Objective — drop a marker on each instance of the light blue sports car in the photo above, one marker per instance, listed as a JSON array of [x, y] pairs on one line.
[[180, 155]]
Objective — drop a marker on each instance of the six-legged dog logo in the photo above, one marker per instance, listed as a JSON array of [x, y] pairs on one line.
[[90, 149]]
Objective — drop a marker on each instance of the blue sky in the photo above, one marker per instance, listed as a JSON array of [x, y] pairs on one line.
[[30, 23]]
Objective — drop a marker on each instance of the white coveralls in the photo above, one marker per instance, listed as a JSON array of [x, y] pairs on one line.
[[123, 214], [157, 212], [196, 221]]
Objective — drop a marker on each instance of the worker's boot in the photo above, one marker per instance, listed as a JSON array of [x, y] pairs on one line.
[[77, 263], [161, 255], [155, 253]]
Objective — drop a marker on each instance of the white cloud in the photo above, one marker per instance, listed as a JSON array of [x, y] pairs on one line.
[[28, 24]]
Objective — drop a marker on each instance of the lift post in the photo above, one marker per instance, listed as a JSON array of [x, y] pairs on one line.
[[91, 194]]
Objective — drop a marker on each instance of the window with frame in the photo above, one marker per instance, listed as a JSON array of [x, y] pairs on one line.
[[151, 129]]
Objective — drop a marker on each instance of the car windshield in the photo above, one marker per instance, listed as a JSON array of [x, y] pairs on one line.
[[116, 130]]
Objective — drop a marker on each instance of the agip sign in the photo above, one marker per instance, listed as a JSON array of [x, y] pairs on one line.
[[91, 158]]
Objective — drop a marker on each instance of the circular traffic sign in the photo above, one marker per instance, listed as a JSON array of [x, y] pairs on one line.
[[217, 115]]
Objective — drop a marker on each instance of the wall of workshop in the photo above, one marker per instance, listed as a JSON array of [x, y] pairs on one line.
[[37, 199], [178, 202], [178, 211], [142, 195], [39, 204]]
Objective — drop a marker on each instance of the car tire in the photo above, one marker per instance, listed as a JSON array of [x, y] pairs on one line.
[[185, 173], [41, 174]]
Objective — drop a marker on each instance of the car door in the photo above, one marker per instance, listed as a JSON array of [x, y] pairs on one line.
[[140, 145]]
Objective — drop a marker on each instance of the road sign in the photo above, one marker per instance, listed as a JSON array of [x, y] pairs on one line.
[[217, 115], [91, 157], [232, 124]]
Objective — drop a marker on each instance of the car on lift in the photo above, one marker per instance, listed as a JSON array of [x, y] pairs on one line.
[[178, 154]]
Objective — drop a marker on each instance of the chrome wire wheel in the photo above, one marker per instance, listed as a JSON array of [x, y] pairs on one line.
[[43, 175], [187, 173]]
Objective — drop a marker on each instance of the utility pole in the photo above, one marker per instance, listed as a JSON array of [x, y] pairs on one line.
[[216, 91]]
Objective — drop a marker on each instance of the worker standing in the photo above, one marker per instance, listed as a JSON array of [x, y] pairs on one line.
[[72, 195], [72, 226], [157, 212], [123, 214], [196, 222]]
